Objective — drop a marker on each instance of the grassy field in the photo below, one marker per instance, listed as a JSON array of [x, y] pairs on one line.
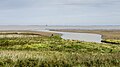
[[53, 51], [27, 32]]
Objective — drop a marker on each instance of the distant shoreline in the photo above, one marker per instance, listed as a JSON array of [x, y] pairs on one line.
[[48, 27], [106, 34]]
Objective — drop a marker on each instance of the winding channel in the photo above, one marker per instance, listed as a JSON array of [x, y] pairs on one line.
[[88, 37]]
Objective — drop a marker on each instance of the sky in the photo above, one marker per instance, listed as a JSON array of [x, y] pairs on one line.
[[59, 12]]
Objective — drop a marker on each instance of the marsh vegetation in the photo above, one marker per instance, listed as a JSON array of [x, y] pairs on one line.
[[53, 51]]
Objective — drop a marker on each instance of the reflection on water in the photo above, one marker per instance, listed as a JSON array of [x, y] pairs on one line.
[[66, 35], [82, 37], [88, 37]]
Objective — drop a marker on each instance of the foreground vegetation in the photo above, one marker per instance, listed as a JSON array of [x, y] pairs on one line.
[[117, 42], [44, 51]]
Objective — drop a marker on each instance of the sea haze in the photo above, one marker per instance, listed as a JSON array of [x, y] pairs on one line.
[[42, 27]]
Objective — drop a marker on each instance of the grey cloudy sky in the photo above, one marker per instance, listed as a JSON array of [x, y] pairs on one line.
[[60, 12]]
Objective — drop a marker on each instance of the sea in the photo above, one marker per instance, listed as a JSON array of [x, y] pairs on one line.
[[88, 37], [47, 27]]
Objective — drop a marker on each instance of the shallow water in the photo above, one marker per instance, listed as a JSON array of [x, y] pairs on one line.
[[82, 37], [88, 37], [38, 27], [66, 35]]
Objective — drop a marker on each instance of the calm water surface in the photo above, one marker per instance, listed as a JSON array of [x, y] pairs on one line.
[[66, 35], [37, 27]]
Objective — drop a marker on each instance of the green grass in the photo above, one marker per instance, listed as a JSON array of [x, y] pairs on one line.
[[111, 41], [55, 58], [43, 51]]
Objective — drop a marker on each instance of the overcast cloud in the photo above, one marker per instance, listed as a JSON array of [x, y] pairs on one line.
[[59, 12]]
